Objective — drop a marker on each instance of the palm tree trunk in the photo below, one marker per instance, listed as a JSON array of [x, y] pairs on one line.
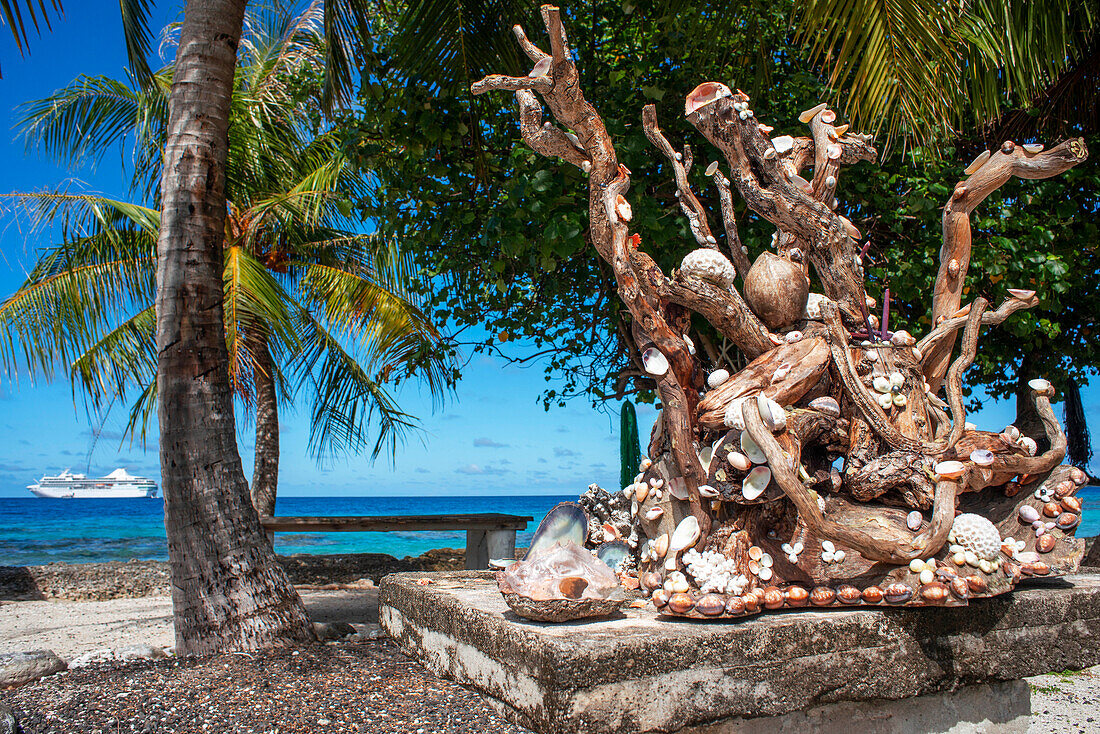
[[228, 591], [265, 472]]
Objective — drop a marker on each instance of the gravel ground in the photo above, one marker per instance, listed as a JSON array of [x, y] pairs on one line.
[[1065, 702], [340, 687]]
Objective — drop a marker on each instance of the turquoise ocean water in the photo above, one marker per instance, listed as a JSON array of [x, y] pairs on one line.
[[36, 531]]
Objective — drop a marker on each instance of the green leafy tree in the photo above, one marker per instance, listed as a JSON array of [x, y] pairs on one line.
[[307, 305]]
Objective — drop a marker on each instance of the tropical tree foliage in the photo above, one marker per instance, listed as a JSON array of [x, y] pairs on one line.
[[327, 308]]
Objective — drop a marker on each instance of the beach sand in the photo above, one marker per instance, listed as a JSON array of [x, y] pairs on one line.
[[1061, 703]]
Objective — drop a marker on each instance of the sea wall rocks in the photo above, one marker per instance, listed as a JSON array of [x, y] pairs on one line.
[[129, 579]]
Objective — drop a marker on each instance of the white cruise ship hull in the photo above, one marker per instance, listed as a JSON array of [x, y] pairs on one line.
[[82, 493]]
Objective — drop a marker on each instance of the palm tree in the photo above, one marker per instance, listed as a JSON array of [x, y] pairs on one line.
[[296, 283]]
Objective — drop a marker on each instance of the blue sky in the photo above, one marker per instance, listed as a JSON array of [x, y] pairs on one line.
[[492, 437]]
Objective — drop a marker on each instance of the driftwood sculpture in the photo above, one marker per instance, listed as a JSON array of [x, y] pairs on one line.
[[743, 503]]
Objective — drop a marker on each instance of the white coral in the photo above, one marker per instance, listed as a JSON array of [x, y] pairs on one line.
[[709, 265], [977, 534]]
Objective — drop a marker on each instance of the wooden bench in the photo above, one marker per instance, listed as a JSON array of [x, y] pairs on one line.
[[488, 535]]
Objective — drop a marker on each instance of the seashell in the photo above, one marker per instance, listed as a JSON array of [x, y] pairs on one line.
[[633, 508], [706, 455], [645, 464], [827, 546], [680, 603], [734, 417], [781, 372], [902, 339], [914, 520], [641, 491], [716, 378], [1028, 514], [885, 400], [840, 130], [770, 154], [654, 513], [611, 531], [833, 151], [977, 162], [809, 114], [822, 596], [1040, 385], [766, 560], [971, 558], [827, 116], [773, 598], [959, 587], [690, 344], [927, 576], [613, 552], [896, 380], [783, 144], [812, 310], [711, 605], [756, 552], [982, 457], [566, 522], [1068, 520], [705, 94], [685, 534], [950, 469], [1012, 432], [751, 602], [881, 384], [1045, 544], [678, 488], [977, 584], [830, 180], [1020, 293], [872, 595], [1071, 504], [710, 266], [827, 557], [1061, 489], [826, 404], [756, 482], [650, 580], [773, 415], [848, 594], [739, 461], [934, 592], [711, 169], [541, 68], [622, 208], [795, 596], [850, 228], [660, 598], [838, 556], [1052, 509], [765, 574], [707, 491], [750, 449], [660, 545], [897, 593], [1038, 568], [654, 361], [776, 290], [735, 606], [1033, 147], [792, 337]]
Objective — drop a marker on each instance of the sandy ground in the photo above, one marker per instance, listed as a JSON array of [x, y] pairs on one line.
[[72, 628], [1061, 703]]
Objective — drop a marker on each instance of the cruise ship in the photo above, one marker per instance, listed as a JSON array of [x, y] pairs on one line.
[[119, 484]]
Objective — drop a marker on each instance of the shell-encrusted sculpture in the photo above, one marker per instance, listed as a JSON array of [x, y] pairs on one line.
[[977, 534], [776, 290], [710, 266]]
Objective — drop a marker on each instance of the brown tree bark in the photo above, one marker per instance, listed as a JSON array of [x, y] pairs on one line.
[[265, 470], [228, 591]]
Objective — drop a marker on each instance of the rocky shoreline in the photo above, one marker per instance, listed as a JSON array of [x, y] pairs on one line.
[[132, 579]]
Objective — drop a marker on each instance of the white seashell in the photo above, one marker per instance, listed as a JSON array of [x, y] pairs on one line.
[[633, 508], [769, 154], [830, 180], [783, 144], [656, 482], [881, 384], [916, 565], [801, 182], [798, 548], [833, 151], [809, 114], [707, 491], [838, 556], [645, 464], [754, 567], [927, 576], [982, 457], [792, 337], [900, 400], [812, 309], [1029, 445], [917, 354], [542, 67], [711, 169], [765, 574], [756, 482], [902, 339], [977, 162], [826, 404], [654, 513], [751, 450], [781, 371], [885, 400], [950, 469], [1039, 385], [734, 417], [773, 415], [654, 361], [690, 344], [896, 379], [913, 520], [971, 558], [660, 546], [985, 565], [787, 548], [1033, 147], [716, 378], [709, 265], [793, 558], [678, 488], [622, 208], [685, 534], [706, 455], [1028, 513], [739, 461], [766, 560], [1012, 432], [827, 545], [827, 556]]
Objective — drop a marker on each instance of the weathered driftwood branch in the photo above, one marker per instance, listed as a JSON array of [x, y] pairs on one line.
[[689, 202], [1024, 299], [546, 139], [738, 253], [992, 172]]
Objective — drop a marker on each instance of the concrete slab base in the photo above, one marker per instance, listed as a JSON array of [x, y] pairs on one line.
[[880, 670]]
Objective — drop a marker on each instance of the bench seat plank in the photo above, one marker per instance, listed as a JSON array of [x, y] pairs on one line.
[[480, 521]]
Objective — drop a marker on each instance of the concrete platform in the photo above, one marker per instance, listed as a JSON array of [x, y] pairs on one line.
[[881, 670]]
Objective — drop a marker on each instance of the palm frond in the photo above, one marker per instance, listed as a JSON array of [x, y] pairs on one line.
[[12, 12], [346, 24], [123, 358], [135, 29]]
